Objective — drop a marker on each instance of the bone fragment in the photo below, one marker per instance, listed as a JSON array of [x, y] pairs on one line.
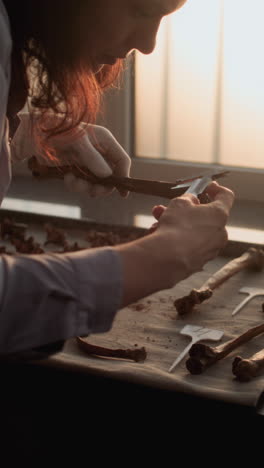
[[203, 356], [10, 229], [137, 354], [252, 259], [54, 235], [247, 369]]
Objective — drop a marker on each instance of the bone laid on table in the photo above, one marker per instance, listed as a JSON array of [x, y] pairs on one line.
[[247, 369], [252, 259], [203, 356], [197, 333]]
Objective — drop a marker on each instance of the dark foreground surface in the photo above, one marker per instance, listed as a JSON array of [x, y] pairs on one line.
[[57, 418]]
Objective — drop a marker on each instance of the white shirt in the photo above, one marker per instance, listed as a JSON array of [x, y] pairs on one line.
[[50, 297]]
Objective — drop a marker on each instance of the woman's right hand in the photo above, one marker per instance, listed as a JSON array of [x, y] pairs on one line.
[[189, 233], [186, 236]]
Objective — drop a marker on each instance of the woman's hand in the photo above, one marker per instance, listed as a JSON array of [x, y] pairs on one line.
[[186, 236], [100, 152], [191, 232], [95, 147]]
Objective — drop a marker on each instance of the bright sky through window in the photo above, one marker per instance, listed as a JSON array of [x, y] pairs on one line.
[[200, 94]]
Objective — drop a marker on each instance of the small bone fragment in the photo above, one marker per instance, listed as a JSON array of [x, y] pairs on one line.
[[247, 369], [27, 246], [54, 235], [203, 356], [71, 247], [253, 259], [137, 355], [10, 229]]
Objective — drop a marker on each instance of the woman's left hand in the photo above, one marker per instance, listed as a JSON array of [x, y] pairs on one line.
[[100, 152], [95, 147]]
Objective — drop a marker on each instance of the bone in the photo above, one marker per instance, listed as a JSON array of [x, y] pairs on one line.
[[252, 259], [137, 355], [54, 235], [10, 229], [202, 356], [247, 369], [145, 186], [27, 246]]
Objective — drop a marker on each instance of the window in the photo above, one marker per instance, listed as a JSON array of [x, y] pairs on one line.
[[196, 101], [199, 97]]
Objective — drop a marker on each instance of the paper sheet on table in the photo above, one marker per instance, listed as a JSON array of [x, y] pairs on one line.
[[155, 324]]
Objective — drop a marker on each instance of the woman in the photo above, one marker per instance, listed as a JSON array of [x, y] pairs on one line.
[[61, 59]]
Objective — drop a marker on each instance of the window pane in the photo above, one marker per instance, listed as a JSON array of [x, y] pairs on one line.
[[193, 42], [149, 90], [243, 90], [200, 95]]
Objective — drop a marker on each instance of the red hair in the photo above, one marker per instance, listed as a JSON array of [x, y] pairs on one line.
[[73, 95], [47, 45]]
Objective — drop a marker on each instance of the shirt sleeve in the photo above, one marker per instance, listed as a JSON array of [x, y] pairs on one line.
[[47, 298], [5, 70], [51, 297]]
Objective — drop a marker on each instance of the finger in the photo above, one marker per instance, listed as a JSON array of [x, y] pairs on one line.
[[97, 190], [191, 197], [119, 160], [91, 157], [69, 180], [81, 186], [158, 210], [111, 149], [74, 184], [210, 215], [219, 193], [153, 227], [214, 213]]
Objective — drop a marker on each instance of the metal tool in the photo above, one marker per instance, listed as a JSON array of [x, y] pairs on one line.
[[252, 292], [198, 185], [196, 333]]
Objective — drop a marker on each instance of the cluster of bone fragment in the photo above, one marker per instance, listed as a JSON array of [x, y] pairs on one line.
[[15, 233]]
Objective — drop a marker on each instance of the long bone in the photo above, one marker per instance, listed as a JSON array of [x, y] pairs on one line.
[[137, 355], [252, 259], [203, 356], [145, 186]]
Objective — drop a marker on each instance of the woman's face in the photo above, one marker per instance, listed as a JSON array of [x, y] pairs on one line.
[[113, 28]]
